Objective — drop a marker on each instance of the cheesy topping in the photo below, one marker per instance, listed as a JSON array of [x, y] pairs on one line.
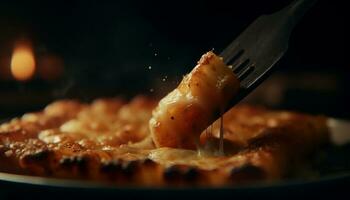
[[170, 156], [108, 140], [200, 98]]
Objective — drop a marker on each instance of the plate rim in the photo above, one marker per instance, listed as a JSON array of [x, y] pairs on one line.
[[38, 181]]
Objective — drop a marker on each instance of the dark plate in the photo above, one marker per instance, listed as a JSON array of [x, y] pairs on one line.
[[20, 187]]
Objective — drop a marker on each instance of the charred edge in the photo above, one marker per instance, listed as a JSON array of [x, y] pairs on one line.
[[171, 173], [111, 166], [38, 159], [37, 156], [148, 161], [191, 174], [70, 161], [129, 167], [247, 172]]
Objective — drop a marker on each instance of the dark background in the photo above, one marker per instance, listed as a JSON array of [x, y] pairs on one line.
[[108, 46]]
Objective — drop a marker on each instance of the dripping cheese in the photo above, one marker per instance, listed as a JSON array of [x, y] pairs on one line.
[[200, 98]]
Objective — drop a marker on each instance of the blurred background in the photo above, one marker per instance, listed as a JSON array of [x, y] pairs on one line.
[[86, 49]]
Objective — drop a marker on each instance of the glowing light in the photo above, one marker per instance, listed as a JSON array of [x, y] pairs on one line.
[[22, 63]]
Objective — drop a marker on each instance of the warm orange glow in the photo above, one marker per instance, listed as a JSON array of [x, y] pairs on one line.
[[22, 63]]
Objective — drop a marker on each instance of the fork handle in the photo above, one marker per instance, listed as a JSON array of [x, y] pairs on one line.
[[297, 9]]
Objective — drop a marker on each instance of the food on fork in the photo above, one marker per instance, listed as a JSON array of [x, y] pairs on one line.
[[201, 97]]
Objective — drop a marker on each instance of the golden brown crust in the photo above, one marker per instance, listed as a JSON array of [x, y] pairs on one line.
[[109, 140]]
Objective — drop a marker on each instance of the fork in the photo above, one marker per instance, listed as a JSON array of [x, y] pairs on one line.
[[254, 52]]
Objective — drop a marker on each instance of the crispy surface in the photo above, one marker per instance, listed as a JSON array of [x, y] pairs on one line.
[[109, 140]]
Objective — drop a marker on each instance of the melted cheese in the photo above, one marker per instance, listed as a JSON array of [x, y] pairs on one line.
[[170, 156], [184, 113], [205, 161]]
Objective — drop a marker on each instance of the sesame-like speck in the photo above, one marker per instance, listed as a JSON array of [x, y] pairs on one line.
[[151, 90], [155, 54], [150, 67]]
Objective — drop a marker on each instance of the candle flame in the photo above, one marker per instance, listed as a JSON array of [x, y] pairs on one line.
[[23, 63]]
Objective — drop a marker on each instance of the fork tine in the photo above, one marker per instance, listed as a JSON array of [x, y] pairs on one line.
[[240, 64], [234, 56], [246, 72], [230, 52]]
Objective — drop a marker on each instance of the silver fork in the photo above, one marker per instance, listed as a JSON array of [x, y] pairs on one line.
[[253, 53]]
